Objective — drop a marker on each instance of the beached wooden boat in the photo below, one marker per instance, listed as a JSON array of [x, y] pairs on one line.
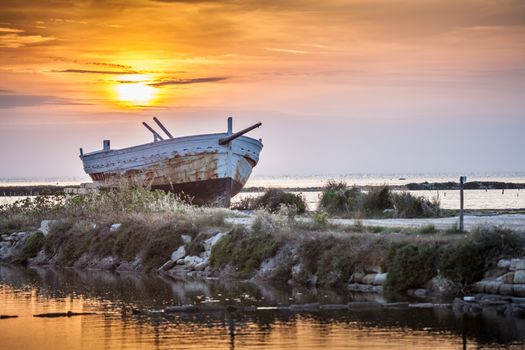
[[209, 168]]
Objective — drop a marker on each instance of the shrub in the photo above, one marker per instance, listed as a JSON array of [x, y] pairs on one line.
[[338, 199], [412, 266], [407, 205], [32, 246], [466, 262], [377, 200]]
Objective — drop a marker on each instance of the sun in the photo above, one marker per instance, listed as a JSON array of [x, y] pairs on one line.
[[135, 93], [133, 89]]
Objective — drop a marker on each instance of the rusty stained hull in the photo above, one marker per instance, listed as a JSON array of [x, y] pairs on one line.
[[202, 169]]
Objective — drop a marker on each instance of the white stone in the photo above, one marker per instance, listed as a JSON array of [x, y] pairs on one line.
[[503, 264], [167, 265], [519, 277], [179, 253], [380, 279], [192, 260], [45, 226], [114, 227], [201, 266], [210, 242], [369, 278], [520, 264], [186, 238]]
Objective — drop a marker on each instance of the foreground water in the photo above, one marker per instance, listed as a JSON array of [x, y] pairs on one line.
[[25, 292]]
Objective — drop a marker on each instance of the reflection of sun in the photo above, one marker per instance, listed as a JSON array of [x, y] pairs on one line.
[[133, 89]]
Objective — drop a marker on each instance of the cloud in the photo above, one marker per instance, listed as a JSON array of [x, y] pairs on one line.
[[287, 50], [188, 81], [89, 71], [21, 100], [15, 39], [114, 65], [10, 30]]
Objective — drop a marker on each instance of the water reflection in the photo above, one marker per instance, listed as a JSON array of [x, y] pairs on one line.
[[29, 291]]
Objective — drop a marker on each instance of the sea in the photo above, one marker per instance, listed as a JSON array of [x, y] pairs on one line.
[[300, 184]]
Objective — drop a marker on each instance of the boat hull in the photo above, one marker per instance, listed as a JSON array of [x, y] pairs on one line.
[[197, 167]]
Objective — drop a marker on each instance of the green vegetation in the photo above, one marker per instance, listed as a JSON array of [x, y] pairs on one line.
[[273, 200], [243, 250], [339, 199], [463, 261], [32, 246], [151, 225], [412, 266]]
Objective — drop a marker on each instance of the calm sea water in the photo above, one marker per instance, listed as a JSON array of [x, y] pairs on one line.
[[474, 199], [25, 292]]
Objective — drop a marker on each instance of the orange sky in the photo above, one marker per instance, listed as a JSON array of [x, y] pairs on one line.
[[340, 86]]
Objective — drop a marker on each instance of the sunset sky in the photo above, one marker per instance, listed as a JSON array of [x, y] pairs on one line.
[[350, 86]]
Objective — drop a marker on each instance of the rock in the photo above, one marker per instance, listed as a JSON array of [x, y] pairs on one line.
[[421, 306], [167, 265], [363, 305], [205, 255], [520, 264], [518, 290], [519, 277], [115, 227], [185, 238], [397, 305], [441, 286], [506, 289], [493, 273], [45, 226], [420, 293], [508, 278], [40, 259], [180, 253], [364, 288], [357, 277], [201, 266], [369, 278], [504, 264], [180, 262], [192, 261], [487, 286], [107, 263], [210, 242], [380, 279]]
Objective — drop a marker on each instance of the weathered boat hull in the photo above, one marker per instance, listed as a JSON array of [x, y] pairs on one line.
[[197, 166]]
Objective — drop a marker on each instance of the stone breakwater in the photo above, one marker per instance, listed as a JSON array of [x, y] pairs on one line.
[[508, 279], [355, 263]]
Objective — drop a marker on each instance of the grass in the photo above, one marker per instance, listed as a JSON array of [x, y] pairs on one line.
[[243, 250], [338, 199], [273, 200], [152, 223]]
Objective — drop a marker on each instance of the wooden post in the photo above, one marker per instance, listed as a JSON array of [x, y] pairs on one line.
[[462, 180]]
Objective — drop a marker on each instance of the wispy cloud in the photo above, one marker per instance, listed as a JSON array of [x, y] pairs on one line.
[[14, 38], [8, 100], [89, 71], [188, 81], [301, 52]]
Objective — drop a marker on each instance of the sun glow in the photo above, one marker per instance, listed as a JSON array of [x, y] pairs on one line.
[[134, 90]]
